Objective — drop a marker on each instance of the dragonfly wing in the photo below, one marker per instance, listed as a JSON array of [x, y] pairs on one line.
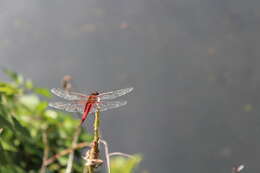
[[69, 107], [115, 94], [67, 94], [103, 106]]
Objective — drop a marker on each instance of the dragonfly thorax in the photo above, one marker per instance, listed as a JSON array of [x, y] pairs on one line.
[[93, 98]]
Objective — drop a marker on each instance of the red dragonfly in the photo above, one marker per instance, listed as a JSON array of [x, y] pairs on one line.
[[88, 104]]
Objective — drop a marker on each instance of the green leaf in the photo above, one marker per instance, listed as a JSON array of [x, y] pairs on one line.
[[14, 76], [7, 89], [28, 84], [63, 160], [124, 165], [3, 158], [8, 146], [11, 169], [43, 92], [31, 101], [41, 107], [20, 129], [4, 122], [51, 114]]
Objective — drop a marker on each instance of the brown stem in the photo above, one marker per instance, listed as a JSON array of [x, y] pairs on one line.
[[46, 151], [107, 155], [64, 152], [92, 156], [74, 143]]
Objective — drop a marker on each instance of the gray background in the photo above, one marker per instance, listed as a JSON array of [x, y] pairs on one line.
[[193, 63]]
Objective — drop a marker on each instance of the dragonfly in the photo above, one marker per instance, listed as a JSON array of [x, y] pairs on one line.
[[87, 104]]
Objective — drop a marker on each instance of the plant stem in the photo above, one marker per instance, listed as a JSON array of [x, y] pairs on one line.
[[90, 169], [96, 126], [107, 155], [66, 151], [93, 154], [45, 152], [120, 154], [74, 143]]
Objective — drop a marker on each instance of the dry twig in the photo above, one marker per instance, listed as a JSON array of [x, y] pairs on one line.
[[74, 143], [108, 155], [120, 154], [45, 152], [64, 152], [92, 155]]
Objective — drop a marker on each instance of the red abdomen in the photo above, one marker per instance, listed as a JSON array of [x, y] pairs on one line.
[[91, 101]]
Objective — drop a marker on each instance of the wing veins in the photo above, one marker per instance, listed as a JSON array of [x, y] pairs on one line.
[[67, 95], [114, 94]]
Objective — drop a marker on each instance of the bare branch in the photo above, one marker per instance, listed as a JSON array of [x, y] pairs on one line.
[[92, 156], [64, 152], [107, 154], [45, 152], [66, 82], [120, 154], [74, 143]]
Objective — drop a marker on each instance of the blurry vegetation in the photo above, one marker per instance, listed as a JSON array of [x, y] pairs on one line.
[[121, 164], [28, 129]]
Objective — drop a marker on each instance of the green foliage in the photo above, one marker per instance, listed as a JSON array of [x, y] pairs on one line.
[[124, 165], [25, 117]]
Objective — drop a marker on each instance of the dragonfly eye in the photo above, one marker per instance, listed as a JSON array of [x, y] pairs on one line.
[[96, 93]]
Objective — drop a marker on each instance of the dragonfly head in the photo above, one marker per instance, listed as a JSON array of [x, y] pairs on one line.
[[95, 93]]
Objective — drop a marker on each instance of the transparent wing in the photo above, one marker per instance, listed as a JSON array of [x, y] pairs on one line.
[[103, 106], [69, 107], [114, 94], [68, 95]]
